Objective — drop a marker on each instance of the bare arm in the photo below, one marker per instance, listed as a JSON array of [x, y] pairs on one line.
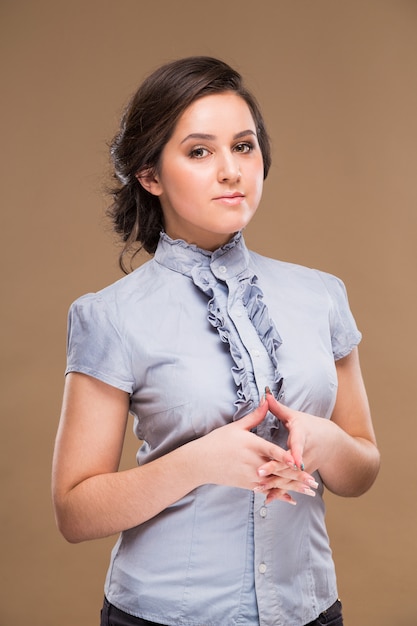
[[353, 467], [342, 449], [92, 499]]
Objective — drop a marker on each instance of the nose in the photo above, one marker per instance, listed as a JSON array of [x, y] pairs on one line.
[[228, 170]]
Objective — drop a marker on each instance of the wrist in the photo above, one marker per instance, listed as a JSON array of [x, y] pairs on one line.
[[196, 461]]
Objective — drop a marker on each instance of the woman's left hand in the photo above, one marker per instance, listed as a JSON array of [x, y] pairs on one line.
[[309, 437], [305, 431], [343, 449]]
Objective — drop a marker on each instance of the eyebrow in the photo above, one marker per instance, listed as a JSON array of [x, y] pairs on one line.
[[207, 137]]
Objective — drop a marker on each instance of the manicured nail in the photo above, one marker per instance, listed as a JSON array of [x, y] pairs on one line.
[[312, 483], [302, 467], [309, 492], [267, 390]]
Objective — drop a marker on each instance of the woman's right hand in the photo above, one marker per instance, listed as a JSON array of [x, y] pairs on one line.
[[232, 455]]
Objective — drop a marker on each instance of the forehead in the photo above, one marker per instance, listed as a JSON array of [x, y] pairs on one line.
[[222, 111]]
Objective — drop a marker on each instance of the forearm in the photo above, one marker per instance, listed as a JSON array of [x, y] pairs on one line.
[[93, 500], [351, 464], [109, 503], [343, 449]]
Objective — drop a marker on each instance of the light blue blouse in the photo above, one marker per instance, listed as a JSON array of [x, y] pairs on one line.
[[194, 337]]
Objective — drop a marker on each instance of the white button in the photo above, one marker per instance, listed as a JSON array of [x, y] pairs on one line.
[[255, 353], [262, 568], [263, 511], [222, 269]]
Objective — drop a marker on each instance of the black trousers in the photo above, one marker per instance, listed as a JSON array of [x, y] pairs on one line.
[[111, 616]]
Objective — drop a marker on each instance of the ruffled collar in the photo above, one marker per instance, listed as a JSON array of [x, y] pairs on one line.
[[180, 256]]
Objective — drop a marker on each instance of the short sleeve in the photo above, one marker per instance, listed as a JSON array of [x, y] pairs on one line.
[[95, 345], [344, 332]]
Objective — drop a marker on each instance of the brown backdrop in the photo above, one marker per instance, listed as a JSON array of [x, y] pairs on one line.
[[337, 82]]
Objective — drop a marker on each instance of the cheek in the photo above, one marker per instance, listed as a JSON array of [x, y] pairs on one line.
[[173, 186], [258, 181], [186, 181], [256, 168]]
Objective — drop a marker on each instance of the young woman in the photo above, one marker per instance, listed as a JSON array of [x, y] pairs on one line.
[[241, 372]]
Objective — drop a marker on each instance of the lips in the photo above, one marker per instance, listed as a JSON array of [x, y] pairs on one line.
[[230, 199], [235, 194]]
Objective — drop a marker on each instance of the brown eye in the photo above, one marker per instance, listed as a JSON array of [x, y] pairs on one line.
[[199, 153], [244, 147]]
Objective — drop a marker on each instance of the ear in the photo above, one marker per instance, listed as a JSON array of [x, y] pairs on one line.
[[149, 181]]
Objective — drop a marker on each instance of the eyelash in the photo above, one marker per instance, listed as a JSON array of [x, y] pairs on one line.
[[193, 153], [247, 145]]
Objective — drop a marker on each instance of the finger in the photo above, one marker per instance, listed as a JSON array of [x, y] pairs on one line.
[[289, 480], [296, 442], [254, 418], [282, 467], [282, 412], [279, 494], [298, 458], [280, 460], [292, 480], [285, 414]]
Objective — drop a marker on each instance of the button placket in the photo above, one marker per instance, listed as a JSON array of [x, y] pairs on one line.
[[258, 359]]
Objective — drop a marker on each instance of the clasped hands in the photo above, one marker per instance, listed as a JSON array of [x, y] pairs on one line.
[[278, 477], [238, 457]]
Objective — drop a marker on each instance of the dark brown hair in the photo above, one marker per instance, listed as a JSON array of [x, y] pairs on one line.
[[146, 126]]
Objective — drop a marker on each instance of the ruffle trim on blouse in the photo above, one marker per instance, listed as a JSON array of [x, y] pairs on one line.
[[244, 402], [252, 299], [195, 263]]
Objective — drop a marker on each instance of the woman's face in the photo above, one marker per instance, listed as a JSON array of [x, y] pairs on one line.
[[210, 177]]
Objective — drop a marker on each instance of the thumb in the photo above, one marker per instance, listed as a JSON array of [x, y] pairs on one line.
[[255, 417], [296, 443], [282, 412]]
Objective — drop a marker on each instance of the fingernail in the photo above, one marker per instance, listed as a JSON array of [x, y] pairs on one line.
[[261, 472], [309, 492], [312, 483], [302, 467], [267, 390]]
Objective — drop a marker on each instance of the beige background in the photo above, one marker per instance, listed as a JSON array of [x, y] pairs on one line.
[[337, 82]]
